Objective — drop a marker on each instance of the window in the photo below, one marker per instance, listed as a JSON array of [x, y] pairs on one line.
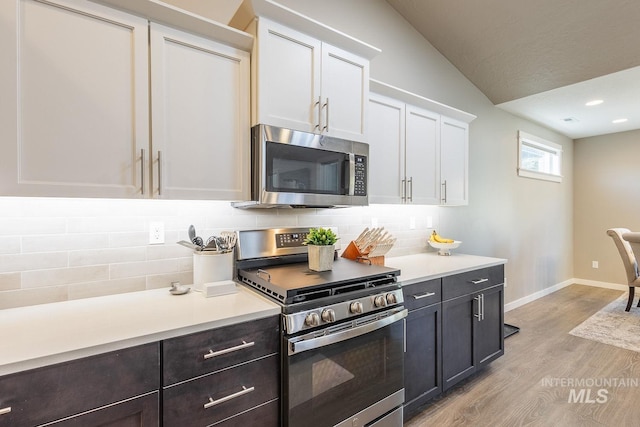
[[538, 158]]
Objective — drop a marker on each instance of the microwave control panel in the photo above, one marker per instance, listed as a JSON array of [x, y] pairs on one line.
[[360, 176]]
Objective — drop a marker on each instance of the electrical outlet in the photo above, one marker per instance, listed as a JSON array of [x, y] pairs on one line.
[[594, 264], [156, 233], [412, 223]]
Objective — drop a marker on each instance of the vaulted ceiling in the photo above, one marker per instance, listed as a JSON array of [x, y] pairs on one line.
[[543, 59]]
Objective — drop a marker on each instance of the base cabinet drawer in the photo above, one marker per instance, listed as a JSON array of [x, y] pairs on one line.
[[265, 415], [204, 352], [66, 389], [223, 394]]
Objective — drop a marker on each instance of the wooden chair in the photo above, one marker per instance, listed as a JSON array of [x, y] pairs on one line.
[[621, 238]]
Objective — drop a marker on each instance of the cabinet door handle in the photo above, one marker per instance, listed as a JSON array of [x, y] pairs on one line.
[[477, 282], [5, 410], [212, 402], [478, 315], [444, 192], [228, 350], [326, 116], [319, 104], [142, 171], [482, 299], [159, 173], [404, 189], [410, 198], [404, 334], [428, 294]]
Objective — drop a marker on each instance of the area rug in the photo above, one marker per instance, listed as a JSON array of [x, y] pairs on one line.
[[612, 325]]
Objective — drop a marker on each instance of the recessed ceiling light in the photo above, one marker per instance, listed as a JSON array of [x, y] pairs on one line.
[[594, 102], [619, 121]]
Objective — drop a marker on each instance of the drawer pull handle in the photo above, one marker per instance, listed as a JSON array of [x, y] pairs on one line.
[[5, 410], [212, 402], [428, 294], [477, 282], [228, 350]]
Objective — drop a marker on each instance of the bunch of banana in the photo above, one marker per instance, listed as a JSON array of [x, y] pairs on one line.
[[435, 237]]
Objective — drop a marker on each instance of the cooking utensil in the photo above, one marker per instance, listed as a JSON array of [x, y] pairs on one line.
[[192, 233], [190, 245]]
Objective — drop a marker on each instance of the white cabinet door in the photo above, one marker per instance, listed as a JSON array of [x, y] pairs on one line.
[[73, 113], [304, 84], [200, 117], [386, 149], [454, 163], [345, 90], [288, 78], [423, 156]]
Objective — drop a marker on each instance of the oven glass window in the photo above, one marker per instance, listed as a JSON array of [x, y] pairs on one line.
[[295, 169], [329, 384]]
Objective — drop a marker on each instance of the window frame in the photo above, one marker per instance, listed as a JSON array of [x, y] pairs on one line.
[[528, 140]]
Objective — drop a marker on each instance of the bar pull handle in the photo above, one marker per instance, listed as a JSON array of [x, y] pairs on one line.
[[159, 173], [5, 410], [212, 402], [319, 104], [142, 171], [228, 350], [428, 294], [477, 282], [404, 190], [410, 198], [326, 116], [478, 315], [261, 271], [444, 191], [482, 299]]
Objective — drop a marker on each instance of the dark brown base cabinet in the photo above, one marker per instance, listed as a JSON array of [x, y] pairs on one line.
[[454, 328], [117, 388], [227, 377]]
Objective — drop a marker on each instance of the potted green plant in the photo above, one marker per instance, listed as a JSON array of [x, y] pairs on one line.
[[321, 247]]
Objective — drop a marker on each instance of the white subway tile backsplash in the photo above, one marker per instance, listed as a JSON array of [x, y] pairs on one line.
[[53, 249]]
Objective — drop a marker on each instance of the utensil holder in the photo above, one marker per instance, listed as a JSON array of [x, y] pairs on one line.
[[211, 266], [352, 252]]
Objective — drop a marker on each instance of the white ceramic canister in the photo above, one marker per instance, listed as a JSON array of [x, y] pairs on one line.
[[210, 266]]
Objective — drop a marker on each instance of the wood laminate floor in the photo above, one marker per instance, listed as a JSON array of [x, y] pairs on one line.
[[512, 390]]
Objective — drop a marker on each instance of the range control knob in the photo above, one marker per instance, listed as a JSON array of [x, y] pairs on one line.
[[312, 319], [380, 301], [328, 315], [356, 307], [391, 299]]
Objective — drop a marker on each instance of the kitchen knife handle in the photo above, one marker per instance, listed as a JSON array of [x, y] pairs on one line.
[[228, 350], [212, 402]]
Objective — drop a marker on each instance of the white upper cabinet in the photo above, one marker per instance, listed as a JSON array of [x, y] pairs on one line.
[[308, 85], [305, 75], [75, 111], [417, 155], [74, 105], [200, 117]]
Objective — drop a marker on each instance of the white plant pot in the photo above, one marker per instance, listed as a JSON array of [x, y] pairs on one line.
[[321, 257]]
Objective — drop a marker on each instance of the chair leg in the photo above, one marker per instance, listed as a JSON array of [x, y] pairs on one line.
[[631, 292]]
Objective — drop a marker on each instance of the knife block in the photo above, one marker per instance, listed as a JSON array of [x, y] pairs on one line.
[[352, 252]]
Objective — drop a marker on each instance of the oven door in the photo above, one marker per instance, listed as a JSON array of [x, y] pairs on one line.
[[345, 372]]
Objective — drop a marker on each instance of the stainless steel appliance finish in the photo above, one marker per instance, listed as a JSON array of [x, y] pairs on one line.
[[343, 332], [301, 169]]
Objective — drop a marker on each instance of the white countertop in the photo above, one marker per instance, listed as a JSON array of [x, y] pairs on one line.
[[430, 265], [45, 334], [40, 335]]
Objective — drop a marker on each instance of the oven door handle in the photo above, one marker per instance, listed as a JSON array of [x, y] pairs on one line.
[[295, 347]]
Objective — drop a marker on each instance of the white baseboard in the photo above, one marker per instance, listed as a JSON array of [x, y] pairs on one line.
[[522, 301]]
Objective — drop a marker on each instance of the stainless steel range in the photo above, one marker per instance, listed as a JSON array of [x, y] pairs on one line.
[[342, 332]]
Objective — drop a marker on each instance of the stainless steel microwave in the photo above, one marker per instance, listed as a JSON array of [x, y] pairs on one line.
[[300, 169]]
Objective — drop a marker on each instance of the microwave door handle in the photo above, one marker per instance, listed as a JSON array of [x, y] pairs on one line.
[[352, 174]]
